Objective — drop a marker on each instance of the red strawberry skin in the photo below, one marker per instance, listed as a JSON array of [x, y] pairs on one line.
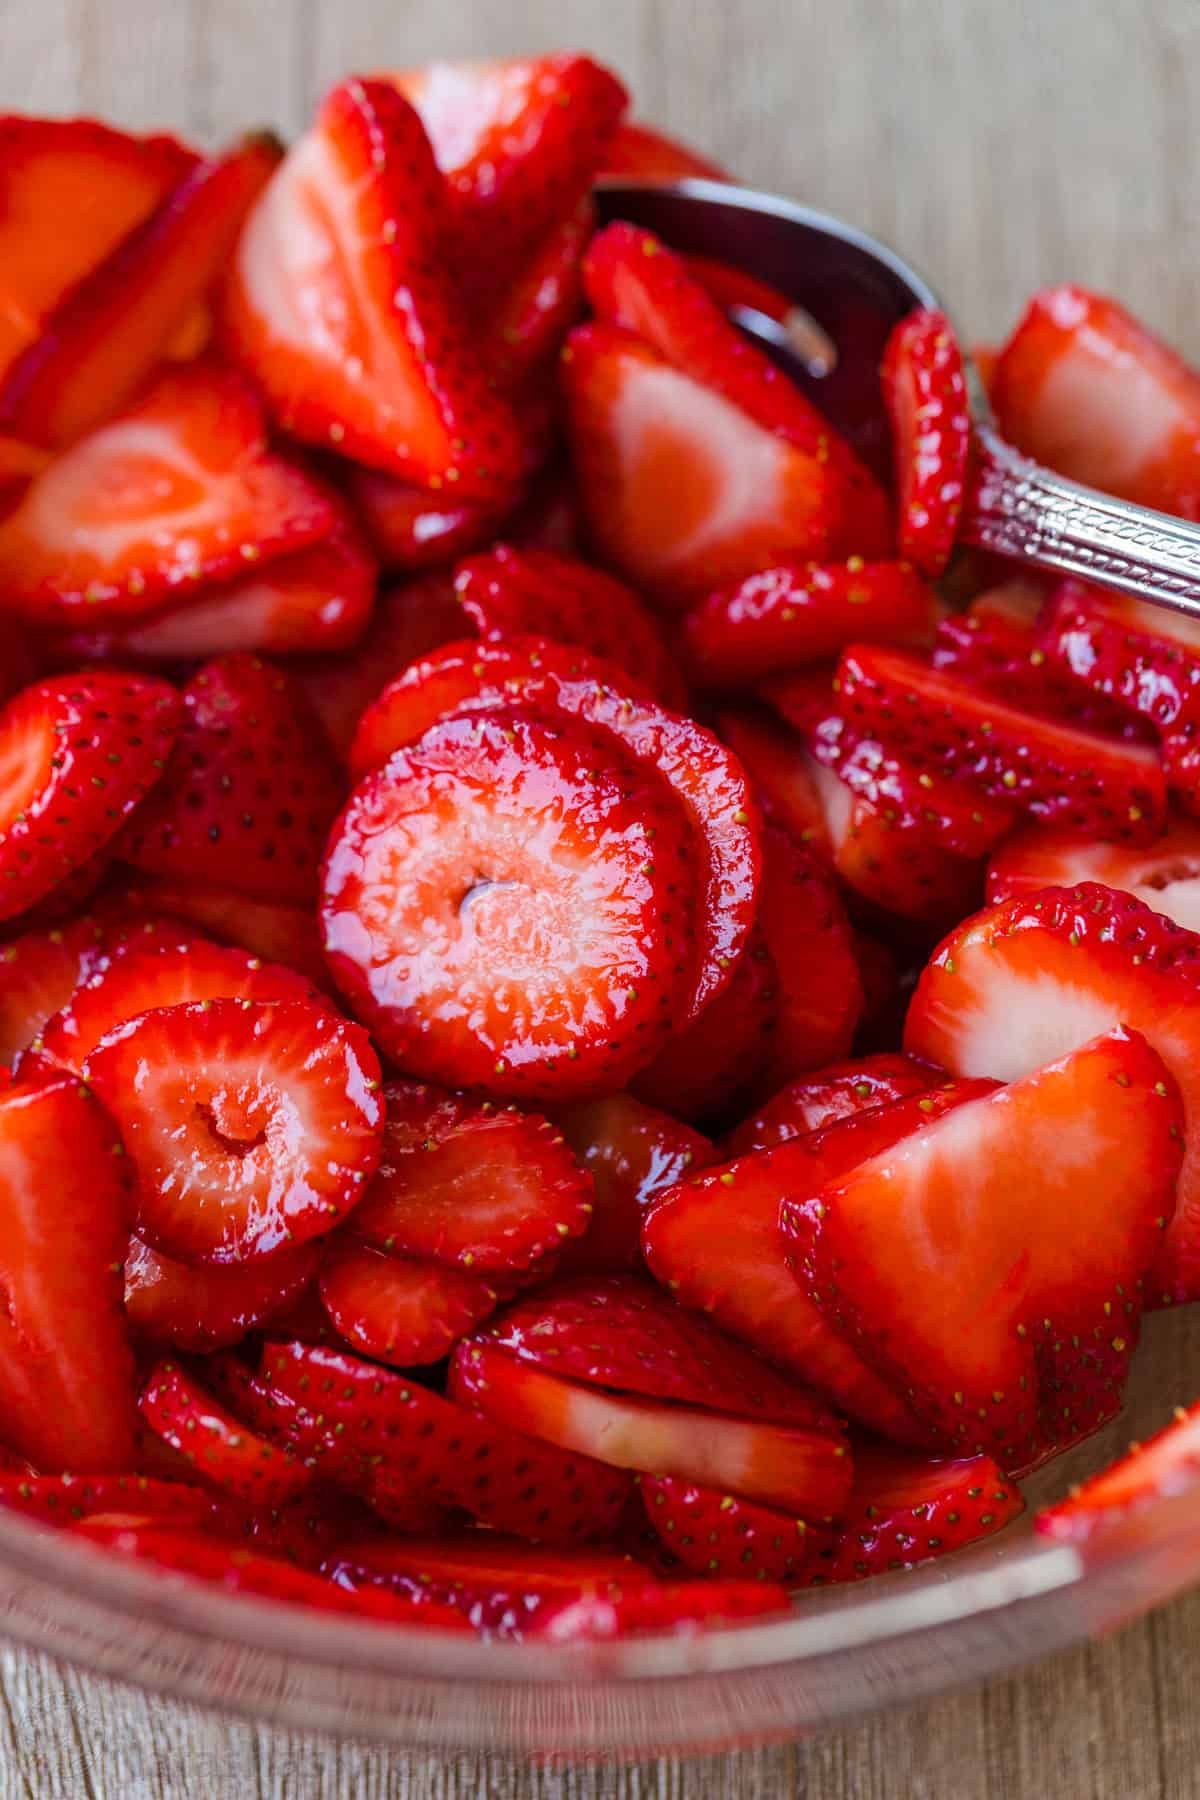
[[713, 1062], [197, 1308], [219, 1446], [926, 396], [396, 1309], [829, 1095], [633, 1153], [641, 151], [725, 1538], [1165, 1465], [809, 939]]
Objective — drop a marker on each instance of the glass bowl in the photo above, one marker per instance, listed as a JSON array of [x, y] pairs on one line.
[[844, 1652]]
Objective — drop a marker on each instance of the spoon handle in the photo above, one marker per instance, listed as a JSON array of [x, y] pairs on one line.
[[1017, 507]]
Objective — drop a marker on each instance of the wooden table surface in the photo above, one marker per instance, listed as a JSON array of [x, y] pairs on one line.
[[1000, 146]]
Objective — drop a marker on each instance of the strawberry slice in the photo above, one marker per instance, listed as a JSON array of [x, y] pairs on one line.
[[650, 155], [829, 1095], [709, 1063], [506, 904], [1084, 387], [397, 1310], [784, 776], [77, 754], [431, 1448], [1118, 650], [247, 799], [633, 281], [545, 299], [249, 1125], [302, 1531], [66, 1373], [706, 780], [800, 1468], [1165, 1465], [906, 1509], [413, 528], [488, 1188], [633, 1153], [169, 968], [1010, 1315], [219, 1446], [509, 592], [198, 1308], [1025, 980], [268, 929], [725, 1538], [340, 307], [926, 397], [39, 972], [1057, 771], [683, 491], [107, 334], [70, 191], [802, 612], [1165, 875], [810, 943], [683, 1607], [714, 1242], [65, 1499]]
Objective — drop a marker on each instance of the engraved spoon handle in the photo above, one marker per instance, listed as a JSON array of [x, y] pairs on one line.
[[1023, 510]]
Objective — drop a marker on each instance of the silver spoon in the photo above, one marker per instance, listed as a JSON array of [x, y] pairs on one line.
[[850, 290]]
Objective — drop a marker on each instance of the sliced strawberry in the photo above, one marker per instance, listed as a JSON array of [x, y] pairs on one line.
[[684, 492], [162, 969], [1028, 979], [39, 972], [906, 1509], [106, 335], [1057, 771], [65, 1499], [249, 1125], [66, 1373], [434, 1448], [340, 305], [219, 1446], [544, 301], [650, 155], [508, 592], [683, 1607], [1115, 649], [634, 282], [488, 1188], [398, 1310], [248, 798], [70, 191], [506, 904], [808, 937], [710, 1063], [206, 1308], [1165, 1465], [783, 774], [633, 1153], [283, 1420], [706, 780], [622, 1332], [268, 929], [926, 397], [302, 1531], [797, 1467], [1084, 387], [800, 613], [1165, 875], [1010, 1314], [714, 1242], [829, 1095], [77, 754], [737, 291], [412, 528], [725, 1538]]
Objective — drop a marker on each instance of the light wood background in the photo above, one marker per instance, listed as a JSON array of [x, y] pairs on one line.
[[1000, 146]]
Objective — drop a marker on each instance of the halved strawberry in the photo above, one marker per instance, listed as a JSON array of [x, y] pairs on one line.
[[1084, 387], [1055, 770], [622, 1332], [926, 397], [341, 306], [77, 754], [507, 905], [725, 1538], [819, 993], [802, 612], [248, 798], [682, 1607], [1123, 651], [397, 1309], [179, 489], [429, 1447], [1165, 874], [249, 1125], [222, 1450], [905, 1509], [705, 779], [509, 592], [714, 1242], [197, 1307], [105, 336], [412, 528], [633, 1153], [1031, 978], [646, 154], [682, 490], [829, 1095], [39, 972], [164, 968], [487, 1188], [269, 929], [798, 1467], [70, 191], [712, 1061], [65, 1499], [962, 1266], [66, 1373], [1165, 1465]]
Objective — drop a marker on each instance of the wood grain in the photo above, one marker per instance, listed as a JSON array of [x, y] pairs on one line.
[[1000, 147]]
